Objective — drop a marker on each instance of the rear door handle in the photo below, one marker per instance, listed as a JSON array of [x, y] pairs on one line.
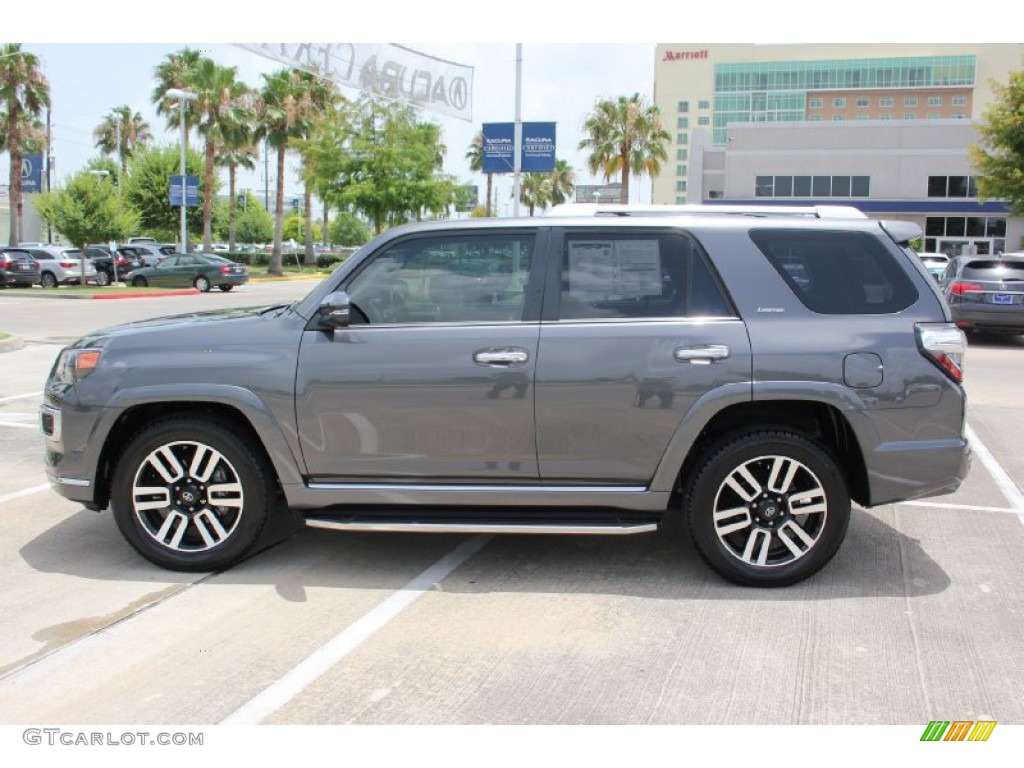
[[501, 356], [701, 354]]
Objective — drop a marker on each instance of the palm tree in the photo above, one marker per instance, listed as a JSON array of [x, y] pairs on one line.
[[122, 133], [626, 136], [238, 150], [281, 108], [475, 155], [534, 190], [563, 183], [316, 100], [176, 71], [220, 106], [24, 92]]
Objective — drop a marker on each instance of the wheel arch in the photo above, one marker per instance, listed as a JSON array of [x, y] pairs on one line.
[[258, 427], [823, 423]]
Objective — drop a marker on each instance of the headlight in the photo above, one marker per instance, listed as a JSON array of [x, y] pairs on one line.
[[75, 364]]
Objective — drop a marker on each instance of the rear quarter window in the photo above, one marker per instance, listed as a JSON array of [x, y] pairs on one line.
[[837, 272]]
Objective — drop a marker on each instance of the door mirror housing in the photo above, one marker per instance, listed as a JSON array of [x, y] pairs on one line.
[[334, 311]]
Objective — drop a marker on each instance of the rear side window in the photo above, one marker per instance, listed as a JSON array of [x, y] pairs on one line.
[[837, 273], [636, 275]]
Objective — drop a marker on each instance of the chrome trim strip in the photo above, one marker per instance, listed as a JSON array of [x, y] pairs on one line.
[[474, 488], [411, 527], [72, 481]]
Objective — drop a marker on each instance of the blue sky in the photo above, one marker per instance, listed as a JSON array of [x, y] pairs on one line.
[[565, 67], [88, 80]]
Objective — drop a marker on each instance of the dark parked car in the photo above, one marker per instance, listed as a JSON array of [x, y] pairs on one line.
[[150, 252], [17, 268], [107, 261], [752, 373], [986, 293], [184, 270]]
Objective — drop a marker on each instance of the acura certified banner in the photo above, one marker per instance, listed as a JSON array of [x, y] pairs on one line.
[[383, 68]]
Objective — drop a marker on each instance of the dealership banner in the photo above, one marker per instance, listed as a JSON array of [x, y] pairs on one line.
[[537, 153], [389, 70], [31, 173]]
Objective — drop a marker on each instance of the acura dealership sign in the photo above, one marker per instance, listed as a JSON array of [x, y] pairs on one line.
[[538, 151], [383, 68]]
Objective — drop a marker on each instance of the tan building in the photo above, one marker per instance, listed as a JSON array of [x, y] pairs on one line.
[[883, 127]]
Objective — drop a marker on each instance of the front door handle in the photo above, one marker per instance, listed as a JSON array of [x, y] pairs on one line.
[[501, 356], [701, 354]]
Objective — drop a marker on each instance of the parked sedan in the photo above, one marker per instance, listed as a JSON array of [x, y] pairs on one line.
[[986, 293], [62, 266], [18, 268], [201, 270]]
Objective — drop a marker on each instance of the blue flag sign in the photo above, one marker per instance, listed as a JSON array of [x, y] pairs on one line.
[[32, 173], [191, 191], [537, 152]]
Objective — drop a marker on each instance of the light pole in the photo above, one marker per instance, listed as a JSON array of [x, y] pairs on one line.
[[182, 97]]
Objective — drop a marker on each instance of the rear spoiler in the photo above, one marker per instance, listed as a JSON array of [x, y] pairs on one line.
[[901, 232]]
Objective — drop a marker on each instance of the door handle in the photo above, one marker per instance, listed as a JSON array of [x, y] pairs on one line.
[[701, 354], [501, 356]]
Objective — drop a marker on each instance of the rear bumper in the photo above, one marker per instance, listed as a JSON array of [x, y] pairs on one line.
[[990, 318]]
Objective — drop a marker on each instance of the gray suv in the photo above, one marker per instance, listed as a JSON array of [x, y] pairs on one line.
[[752, 372]]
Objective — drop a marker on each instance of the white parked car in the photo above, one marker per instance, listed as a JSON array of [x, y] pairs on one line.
[[61, 266]]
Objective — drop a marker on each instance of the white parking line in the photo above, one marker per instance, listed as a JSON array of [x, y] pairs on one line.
[[23, 492], [20, 397], [963, 507], [18, 424], [1003, 480], [324, 658]]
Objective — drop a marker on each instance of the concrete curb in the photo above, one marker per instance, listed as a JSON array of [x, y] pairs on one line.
[[11, 343], [148, 294]]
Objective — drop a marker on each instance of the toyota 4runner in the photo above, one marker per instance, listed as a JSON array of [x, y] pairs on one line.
[[752, 370]]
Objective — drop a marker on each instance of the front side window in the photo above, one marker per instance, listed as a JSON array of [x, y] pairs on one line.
[[629, 275], [445, 279], [836, 272]]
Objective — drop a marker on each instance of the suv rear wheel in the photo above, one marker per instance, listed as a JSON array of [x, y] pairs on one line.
[[767, 509], [191, 494]]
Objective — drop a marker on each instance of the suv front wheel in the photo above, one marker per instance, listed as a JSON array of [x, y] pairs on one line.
[[767, 509], [191, 494]]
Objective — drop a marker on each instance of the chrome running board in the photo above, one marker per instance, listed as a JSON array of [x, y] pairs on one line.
[[616, 529]]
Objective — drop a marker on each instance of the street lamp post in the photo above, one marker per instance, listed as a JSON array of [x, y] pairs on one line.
[[182, 96]]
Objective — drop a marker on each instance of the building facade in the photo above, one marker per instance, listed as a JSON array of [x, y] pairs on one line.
[[884, 128]]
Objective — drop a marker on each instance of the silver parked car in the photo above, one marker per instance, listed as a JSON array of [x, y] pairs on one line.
[[752, 372], [59, 265]]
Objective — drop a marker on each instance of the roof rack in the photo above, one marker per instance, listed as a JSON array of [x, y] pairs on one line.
[[807, 211]]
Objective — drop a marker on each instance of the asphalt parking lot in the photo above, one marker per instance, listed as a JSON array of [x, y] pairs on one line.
[[920, 617]]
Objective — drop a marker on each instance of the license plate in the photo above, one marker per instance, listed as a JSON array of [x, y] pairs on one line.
[[1002, 298]]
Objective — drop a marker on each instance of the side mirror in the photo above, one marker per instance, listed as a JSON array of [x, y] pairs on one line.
[[333, 311]]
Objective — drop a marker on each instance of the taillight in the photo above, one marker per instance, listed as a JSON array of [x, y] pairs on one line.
[[225, 270], [6, 265], [68, 264], [944, 344], [959, 288]]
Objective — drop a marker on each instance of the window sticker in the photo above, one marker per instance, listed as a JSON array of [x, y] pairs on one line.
[[614, 269]]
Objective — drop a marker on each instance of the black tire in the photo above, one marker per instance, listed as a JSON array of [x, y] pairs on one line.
[[102, 278], [139, 281], [48, 280], [202, 283], [166, 480], [225, 287], [786, 524]]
